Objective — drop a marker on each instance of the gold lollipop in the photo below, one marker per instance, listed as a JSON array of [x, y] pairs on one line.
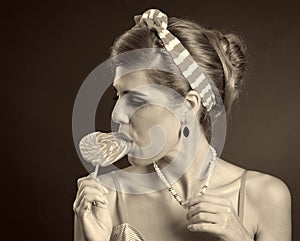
[[103, 149]]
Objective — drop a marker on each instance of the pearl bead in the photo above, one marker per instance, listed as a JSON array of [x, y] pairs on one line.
[[204, 187]]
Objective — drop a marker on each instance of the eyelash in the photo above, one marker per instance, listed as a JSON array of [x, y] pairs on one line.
[[116, 97], [135, 102], [132, 100]]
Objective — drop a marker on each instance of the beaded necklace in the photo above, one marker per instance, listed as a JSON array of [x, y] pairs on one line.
[[203, 188]]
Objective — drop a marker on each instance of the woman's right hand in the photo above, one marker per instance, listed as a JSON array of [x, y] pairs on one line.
[[91, 210]]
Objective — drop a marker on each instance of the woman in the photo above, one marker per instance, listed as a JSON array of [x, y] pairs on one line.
[[227, 202]]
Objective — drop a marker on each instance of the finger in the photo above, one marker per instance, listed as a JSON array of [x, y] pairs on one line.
[[83, 206], [91, 183], [89, 177], [93, 175], [94, 183], [87, 191], [223, 212], [203, 207], [86, 202], [95, 198], [79, 180], [205, 217], [205, 227], [207, 198]]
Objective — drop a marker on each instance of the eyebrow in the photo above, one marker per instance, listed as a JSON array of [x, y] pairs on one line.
[[133, 92]]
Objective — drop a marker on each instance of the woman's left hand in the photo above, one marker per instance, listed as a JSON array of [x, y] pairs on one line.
[[215, 215]]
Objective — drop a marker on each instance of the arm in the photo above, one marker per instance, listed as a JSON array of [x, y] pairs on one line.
[[273, 207], [77, 230]]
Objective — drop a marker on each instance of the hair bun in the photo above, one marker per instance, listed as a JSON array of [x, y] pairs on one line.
[[234, 48], [231, 51]]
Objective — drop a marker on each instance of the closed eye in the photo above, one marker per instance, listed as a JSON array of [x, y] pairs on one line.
[[136, 101], [133, 96]]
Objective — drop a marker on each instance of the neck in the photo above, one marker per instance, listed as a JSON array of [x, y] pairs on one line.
[[185, 166], [190, 181]]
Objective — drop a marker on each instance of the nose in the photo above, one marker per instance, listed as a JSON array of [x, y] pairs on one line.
[[120, 113]]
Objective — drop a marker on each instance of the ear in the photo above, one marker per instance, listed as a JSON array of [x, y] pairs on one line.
[[193, 100]]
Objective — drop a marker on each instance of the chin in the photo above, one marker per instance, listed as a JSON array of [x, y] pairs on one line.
[[140, 162]]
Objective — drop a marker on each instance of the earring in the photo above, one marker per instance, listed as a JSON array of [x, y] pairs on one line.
[[186, 131]]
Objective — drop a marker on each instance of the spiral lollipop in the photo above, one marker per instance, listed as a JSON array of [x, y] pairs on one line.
[[103, 149]]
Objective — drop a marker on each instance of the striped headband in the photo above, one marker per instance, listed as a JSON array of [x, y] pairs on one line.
[[198, 79]]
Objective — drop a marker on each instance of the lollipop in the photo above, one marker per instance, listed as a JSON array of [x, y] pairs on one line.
[[103, 149]]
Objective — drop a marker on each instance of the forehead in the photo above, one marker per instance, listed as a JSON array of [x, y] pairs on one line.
[[130, 81]]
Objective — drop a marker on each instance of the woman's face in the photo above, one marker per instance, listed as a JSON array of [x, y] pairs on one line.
[[145, 112]]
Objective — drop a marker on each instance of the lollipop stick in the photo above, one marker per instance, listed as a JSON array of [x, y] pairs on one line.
[[96, 171]]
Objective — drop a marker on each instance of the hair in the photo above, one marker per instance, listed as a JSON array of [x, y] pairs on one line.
[[220, 54]]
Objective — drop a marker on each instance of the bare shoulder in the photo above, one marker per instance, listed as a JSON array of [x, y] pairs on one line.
[[267, 189], [268, 205], [263, 190], [260, 186]]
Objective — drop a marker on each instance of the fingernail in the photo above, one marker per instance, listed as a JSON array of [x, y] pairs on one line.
[[189, 226]]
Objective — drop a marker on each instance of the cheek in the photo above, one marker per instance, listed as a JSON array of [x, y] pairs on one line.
[[172, 128], [140, 126], [146, 118]]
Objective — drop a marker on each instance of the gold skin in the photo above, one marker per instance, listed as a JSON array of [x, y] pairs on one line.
[[142, 93], [260, 203]]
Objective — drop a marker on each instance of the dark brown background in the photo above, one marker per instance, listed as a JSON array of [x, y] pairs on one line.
[[50, 47]]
